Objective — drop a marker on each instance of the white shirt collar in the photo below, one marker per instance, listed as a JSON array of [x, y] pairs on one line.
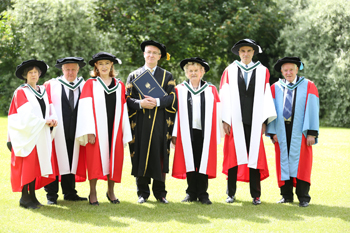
[[199, 86], [75, 80], [154, 68], [295, 80], [249, 65]]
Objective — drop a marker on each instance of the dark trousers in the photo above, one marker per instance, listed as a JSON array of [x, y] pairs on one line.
[[197, 182], [67, 184], [158, 187], [302, 187], [254, 182], [197, 185], [302, 190], [254, 174]]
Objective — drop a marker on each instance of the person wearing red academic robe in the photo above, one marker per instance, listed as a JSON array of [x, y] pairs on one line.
[[30, 117], [196, 131], [247, 107], [295, 130], [103, 125], [68, 156]]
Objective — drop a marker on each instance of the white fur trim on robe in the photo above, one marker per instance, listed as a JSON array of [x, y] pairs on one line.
[[60, 139], [263, 108], [27, 129]]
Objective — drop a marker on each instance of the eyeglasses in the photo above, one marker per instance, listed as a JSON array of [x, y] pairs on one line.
[[154, 53]]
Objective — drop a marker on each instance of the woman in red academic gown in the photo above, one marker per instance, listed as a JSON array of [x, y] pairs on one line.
[[30, 117], [196, 130], [103, 125]]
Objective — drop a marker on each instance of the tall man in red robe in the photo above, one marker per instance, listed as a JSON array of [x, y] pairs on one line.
[[247, 107], [295, 130]]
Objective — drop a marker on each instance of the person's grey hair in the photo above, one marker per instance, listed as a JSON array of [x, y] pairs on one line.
[[193, 64], [71, 63], [29, 68]]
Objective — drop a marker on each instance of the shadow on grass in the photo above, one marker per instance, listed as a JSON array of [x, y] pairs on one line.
[[121, 215]]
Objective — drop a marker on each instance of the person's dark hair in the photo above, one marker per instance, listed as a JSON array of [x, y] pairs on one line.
[[29, 68]]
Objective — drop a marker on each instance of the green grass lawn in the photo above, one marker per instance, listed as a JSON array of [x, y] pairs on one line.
[[329, 210]]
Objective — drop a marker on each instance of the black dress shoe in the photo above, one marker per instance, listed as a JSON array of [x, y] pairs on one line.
[[303, 204], [28, 204], [93, 203], [116, 201], [141, 200], [256, 201], [284, 200], [35, 200], [206, 201], [51, 202], [230, 199], [188, 198], [163, 200], [75, 198]]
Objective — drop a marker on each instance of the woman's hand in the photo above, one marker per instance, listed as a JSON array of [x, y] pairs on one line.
[[91, 138], [51, 122]]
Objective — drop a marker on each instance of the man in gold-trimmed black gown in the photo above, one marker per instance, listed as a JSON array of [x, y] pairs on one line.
[[151, 121]]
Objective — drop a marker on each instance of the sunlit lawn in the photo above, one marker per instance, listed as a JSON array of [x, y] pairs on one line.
[[329, 210]]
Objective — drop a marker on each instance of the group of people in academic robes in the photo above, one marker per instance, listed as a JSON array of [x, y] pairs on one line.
[[68, 126]]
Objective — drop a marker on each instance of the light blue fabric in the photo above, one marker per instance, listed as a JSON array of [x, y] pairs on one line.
[[246, 77], [304, 120], [311, 122]]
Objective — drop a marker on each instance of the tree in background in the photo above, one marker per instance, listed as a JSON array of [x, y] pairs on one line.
[[319, 33], [205, 28], [4, 4], [47, 30], [316, 31], [9, 47]]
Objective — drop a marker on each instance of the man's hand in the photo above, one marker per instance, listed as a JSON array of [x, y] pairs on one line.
[[51, 122], [91, 138], [227, 128], [173, 140], [274, 139], [148, 102], [310, 140]]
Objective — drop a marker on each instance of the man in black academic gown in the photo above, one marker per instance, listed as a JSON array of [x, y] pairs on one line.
[[64, 92], [151, 121]]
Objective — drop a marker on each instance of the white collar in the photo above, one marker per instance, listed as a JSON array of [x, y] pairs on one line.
[[74, 82], [295, 80], [154, 68], [199, 86], [249, 65]]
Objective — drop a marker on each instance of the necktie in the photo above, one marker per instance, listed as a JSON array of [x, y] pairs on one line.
[[287, 110], [246, 77], [71, 97], [151, 70]]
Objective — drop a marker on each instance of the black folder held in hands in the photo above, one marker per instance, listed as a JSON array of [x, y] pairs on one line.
[[146, 84]]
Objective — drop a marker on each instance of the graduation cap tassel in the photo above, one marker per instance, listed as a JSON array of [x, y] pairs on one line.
[[167, 56]]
